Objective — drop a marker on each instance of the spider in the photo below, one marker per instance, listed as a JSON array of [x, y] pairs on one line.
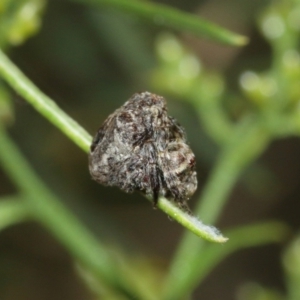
[[140, 148]]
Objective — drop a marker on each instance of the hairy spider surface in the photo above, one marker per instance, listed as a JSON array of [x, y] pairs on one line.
[[140, 148]]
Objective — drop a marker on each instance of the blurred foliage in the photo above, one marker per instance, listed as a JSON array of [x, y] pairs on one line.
[[19, 20], [291, 264], [253, 291], [274, 110], [6, 106], [12, 211], [274, 93], [270, 110]]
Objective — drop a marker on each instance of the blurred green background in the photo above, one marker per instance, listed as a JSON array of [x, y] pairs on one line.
[[91, 61]]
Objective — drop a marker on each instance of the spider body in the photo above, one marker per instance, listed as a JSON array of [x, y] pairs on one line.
[[140, 148]]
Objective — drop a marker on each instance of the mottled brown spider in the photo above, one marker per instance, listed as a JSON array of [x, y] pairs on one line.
[[140, 148]]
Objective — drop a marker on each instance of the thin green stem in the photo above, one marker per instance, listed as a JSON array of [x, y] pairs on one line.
[[81, 244], [213, 117], [171, 17], [192, 223], [51, 213], [242, 237], [249, 140], [43, 104], [12, 211], [49, 109]]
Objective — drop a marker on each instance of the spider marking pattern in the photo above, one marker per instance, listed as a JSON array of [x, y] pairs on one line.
[[140, 148]]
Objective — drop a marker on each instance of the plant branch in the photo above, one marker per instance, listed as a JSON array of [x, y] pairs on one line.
[[247, 142], [44, 207], [173, 18], [12, 211], [190, 222], [51, 213], [241, 238], [42, 103], [50, 110]]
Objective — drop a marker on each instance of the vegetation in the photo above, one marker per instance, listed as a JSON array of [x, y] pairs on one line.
[[238, 121]]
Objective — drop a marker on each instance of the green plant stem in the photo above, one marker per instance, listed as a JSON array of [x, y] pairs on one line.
[[78, 135], [53, 215], [43, 104], [246, 144], [242, 237], [44, 207], [168, 16], [12, 211], [213, 117], [248, 141], [208, 233]]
